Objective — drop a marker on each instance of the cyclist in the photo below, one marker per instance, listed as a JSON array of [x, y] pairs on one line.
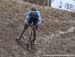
[[32, 16]]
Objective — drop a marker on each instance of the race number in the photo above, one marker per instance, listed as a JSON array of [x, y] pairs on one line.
[[68, 5]]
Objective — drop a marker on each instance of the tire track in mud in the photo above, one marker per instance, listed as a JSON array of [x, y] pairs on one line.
[[40, 52]]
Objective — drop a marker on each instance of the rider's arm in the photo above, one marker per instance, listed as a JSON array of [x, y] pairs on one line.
[[39, 22], [26, 17]]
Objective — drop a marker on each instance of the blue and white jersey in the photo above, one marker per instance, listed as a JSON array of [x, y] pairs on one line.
[[28, 15]]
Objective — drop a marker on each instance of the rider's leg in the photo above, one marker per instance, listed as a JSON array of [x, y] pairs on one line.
[[25, 27]]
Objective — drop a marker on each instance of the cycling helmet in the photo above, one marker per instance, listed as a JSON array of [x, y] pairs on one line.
[[33, 9]]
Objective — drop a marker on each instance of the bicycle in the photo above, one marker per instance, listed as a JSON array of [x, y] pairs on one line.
[[32, 36]]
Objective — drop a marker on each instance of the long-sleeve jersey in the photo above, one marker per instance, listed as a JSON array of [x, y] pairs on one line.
[[27, 17]]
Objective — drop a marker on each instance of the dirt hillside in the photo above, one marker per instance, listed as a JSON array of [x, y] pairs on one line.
[[56, 35]]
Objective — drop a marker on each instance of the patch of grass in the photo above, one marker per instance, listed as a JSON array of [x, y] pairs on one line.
[[9, 6]]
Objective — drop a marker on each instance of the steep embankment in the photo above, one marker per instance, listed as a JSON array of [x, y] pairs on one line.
[[55, 36]]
